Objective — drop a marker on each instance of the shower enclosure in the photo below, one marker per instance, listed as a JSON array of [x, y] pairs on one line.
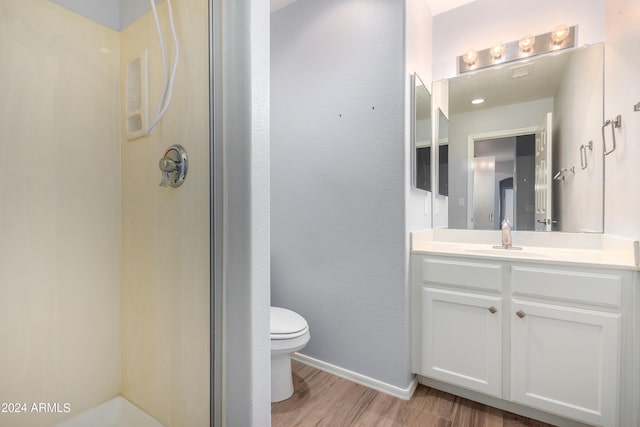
[[105, 276]]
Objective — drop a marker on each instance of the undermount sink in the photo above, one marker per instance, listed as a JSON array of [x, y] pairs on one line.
[[510, 253]]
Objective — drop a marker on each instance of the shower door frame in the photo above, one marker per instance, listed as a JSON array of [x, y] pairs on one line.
[[215, 189]]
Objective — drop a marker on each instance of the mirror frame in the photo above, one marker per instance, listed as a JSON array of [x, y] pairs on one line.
[[438, 114], [415, 81]]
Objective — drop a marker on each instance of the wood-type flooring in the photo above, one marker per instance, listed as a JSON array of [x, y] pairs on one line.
[[322, 399]]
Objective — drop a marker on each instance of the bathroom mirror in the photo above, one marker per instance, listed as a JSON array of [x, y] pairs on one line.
[[518, 139], [421, 135]]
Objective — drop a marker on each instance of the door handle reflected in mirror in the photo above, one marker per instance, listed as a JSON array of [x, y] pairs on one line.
[[547, 221]]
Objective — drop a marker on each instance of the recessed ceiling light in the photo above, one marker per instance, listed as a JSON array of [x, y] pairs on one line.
[[477, 101]]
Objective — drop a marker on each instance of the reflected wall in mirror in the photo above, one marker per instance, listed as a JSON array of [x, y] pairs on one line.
[[443, 154], [422, 134], [517, 155]]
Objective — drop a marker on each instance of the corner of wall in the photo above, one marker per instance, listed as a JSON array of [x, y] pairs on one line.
[[246, 217], [417, 58]]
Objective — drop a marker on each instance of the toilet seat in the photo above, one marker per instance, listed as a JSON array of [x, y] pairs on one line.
[[287, 324], [289, 336]]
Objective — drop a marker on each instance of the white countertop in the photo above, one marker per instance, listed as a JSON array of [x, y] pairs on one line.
[[597, 250]]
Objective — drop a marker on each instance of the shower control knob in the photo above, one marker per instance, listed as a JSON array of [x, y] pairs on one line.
[[167, 165], [174, 166]]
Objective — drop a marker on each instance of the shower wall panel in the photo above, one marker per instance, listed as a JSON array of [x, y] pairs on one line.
[[60, 250], [165, 283]]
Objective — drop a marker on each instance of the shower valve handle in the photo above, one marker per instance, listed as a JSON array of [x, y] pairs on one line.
[[168, 165], [173, 165]]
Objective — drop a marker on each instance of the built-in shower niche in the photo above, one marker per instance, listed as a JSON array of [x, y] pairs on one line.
[[136, 96]]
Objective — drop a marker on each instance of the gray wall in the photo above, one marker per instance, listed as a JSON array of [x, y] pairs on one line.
[[338, 181]]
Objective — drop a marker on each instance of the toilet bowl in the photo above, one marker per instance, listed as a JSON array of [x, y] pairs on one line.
[[289, 333]]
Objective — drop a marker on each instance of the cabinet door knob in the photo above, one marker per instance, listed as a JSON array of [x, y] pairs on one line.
[[520, 314], [493, 310]]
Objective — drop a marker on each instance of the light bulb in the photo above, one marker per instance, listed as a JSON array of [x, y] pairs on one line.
[[559, 33], [527, 42], [470, 57], [497, 50]]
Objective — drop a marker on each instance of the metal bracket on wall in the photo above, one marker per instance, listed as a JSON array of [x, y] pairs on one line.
[[615, 123], [583, 154], [636, 107]]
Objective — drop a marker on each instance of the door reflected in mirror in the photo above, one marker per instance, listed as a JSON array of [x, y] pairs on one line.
[[503, 178], [422, 135], [541, 111]]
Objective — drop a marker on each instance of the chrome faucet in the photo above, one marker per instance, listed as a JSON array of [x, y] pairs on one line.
[[507, 243], [506, 234]]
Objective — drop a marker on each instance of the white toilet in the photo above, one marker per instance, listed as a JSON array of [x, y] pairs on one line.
[[289, 333]]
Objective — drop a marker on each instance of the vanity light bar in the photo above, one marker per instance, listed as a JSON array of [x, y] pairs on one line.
[[513, 51]]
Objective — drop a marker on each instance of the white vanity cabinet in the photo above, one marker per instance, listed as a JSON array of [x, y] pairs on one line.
[[455, 322], [565, 340], [461, 340], [565, 361], [546, 336]]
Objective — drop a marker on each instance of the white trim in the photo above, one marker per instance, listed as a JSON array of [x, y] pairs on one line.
[[505, 133], [392, 390]]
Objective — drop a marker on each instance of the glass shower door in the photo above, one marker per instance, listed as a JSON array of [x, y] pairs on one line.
[[104, 274]]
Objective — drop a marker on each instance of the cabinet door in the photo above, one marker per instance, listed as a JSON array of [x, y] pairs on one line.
[[461, 342], [565, 361]]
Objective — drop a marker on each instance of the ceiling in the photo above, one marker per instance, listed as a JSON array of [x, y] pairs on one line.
[[436, 6], [439, 6]]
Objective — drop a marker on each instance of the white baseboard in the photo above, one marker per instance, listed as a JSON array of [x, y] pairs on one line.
[[402, 393]]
